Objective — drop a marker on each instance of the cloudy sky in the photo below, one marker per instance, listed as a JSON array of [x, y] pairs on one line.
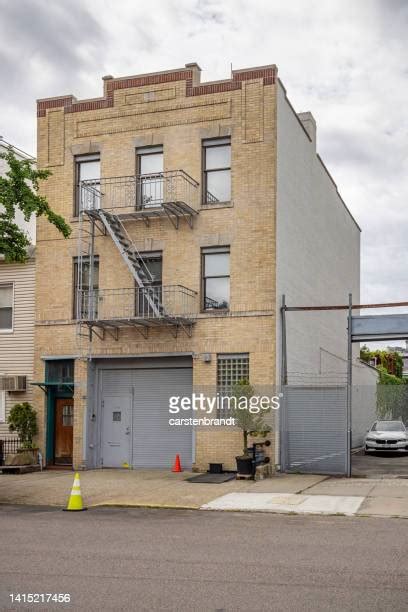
[[345, 60]]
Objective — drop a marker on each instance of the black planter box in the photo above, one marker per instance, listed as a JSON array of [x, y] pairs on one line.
[[245, 465]]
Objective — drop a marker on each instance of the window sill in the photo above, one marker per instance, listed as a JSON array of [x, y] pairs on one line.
[[6, 331], [209, 206], [215, 311]]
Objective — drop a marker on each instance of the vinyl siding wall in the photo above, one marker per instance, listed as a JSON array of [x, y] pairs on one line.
[[17, 347]]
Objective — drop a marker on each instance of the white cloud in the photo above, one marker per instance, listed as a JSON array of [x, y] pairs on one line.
[[346, 61]]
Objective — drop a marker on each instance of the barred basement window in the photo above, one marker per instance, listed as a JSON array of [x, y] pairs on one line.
[[231, 368]]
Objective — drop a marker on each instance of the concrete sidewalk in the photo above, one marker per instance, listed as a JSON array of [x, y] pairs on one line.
[[159, 488], [294, 493], [351, 497]]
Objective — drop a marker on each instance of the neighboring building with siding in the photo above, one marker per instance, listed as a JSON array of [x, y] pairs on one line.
[[17, 295], [194, 206]]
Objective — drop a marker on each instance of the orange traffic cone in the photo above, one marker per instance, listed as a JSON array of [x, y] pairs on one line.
[[177, 465]]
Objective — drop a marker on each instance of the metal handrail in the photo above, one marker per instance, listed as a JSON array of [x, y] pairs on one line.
[[159, 302], [139, 192]]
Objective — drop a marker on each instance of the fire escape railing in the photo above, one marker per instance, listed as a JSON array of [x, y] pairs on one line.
[[173, 303], [143, 192], [106, 204]]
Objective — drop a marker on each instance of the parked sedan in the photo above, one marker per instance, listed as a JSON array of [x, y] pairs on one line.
[[387, 436]]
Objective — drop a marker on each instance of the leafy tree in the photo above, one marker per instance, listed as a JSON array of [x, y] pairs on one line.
[[391, 361], [250, 422], [23, 420], [19, 189]]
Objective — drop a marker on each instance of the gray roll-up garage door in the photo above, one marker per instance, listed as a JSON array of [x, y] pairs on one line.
[[143, 438], [155, 442]]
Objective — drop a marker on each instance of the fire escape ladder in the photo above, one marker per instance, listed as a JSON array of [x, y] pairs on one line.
[[132, 258]]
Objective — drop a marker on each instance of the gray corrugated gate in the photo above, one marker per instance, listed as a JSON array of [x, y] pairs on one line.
[[314, 430], [135, 426]]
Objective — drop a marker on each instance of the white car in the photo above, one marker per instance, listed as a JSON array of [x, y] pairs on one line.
[[386, 436]]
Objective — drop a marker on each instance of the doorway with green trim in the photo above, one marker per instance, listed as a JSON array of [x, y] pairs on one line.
[[59, 383]]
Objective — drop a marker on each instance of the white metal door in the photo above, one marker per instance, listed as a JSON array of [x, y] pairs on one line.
[[116, 431]]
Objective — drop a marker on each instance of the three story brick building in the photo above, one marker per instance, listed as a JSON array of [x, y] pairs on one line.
[[194, 207]]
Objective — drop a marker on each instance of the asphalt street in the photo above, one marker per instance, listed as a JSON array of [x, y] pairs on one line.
[[186, 560]]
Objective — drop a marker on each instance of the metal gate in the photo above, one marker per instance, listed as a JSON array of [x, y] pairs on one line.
[[314, 436]]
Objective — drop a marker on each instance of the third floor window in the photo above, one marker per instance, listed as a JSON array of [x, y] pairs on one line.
[[150, 176], [217, 170], [87, 168]]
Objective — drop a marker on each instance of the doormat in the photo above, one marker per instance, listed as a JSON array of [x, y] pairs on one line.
[[212, 478]]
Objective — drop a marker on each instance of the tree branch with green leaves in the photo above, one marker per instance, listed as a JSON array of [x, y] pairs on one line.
[[248, 421], [19, 190]]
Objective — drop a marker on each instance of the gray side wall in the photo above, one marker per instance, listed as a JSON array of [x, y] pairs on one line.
[[318, 247]]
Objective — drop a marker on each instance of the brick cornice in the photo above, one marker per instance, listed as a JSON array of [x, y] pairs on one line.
[[71, 105]]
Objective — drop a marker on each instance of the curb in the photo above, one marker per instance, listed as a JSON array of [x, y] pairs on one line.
[[142, 505]]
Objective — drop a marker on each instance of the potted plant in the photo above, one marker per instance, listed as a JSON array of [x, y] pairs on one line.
[[23, 421], [251, 423]]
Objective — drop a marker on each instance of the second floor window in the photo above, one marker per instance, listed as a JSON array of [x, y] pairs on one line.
[[216, 278], [6, 307], [150, 177], [151, 293], [217, 170], [87, 168], [86, 301]]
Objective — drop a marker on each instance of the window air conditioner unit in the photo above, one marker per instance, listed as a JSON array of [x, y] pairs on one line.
[[13, 383]]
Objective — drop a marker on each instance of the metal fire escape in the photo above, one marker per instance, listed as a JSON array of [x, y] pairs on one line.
[[106, 206]]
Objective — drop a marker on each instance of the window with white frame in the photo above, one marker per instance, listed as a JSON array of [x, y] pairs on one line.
[[149, 167], [87, 168], [6, 307], [2, 406], [87, 299], [217, 170], [215, 268]]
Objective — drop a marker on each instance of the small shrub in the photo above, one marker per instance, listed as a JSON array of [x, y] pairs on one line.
[[23, 421]]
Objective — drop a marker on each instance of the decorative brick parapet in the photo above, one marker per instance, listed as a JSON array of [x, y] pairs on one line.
[[71, 105]]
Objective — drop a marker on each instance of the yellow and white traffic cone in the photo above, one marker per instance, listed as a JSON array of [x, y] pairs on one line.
[[75, 503]]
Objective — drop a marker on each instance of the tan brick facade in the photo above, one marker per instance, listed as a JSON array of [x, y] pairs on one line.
[[173, 110]]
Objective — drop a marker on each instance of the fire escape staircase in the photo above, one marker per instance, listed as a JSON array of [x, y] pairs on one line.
[[131, 256], [106, 204]]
